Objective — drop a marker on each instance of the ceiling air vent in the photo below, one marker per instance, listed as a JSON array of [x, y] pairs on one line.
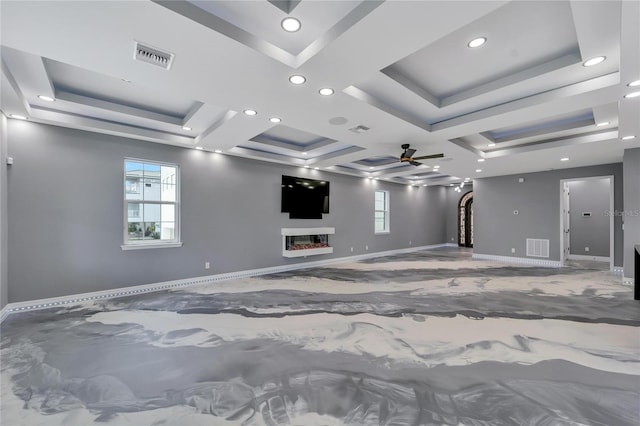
[[359, 129], [153, 56]]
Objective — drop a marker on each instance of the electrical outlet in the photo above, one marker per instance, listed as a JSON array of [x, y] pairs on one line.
[[409, 242], [513, 250], [586, 249], [351, 249], [366, 247], [207, 265]]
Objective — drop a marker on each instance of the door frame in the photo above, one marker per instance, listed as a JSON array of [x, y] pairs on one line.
[[466, 216], [563, 183]]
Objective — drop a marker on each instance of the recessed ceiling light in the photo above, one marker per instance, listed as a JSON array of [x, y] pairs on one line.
[[370, 177], [491, 144], [218, 151], [564, 159], [17, 116], [370, 167], [604, 123], [316, 168], [304, 153], [297, 79], [480, 160], [199, 148], [478, 170], [186, 128], [626, 138], [594, 61], [326, 91], [46, 98], [477, 42], [424, 184], [450, 184], [275, 119], [250, 112], [290, 24], [632, 95], [306, 167], [634, 83]]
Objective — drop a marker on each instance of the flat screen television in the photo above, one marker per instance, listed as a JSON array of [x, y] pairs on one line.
[[304, 198]]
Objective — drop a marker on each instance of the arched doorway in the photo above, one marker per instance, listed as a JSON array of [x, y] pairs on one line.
[[465, 220]]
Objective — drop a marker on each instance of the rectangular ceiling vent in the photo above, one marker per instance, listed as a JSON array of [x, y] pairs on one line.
[[153, 56], [537, 248]]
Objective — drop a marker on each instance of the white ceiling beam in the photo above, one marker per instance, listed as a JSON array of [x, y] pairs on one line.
[[629, 109], [29, 73]]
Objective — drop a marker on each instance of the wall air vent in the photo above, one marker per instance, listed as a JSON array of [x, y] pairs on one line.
[[537, 248], [153, 56]]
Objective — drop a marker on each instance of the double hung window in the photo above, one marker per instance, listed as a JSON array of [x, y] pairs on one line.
[[152, 209]]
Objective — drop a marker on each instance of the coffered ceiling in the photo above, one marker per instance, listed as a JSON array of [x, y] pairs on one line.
[[184, 73]]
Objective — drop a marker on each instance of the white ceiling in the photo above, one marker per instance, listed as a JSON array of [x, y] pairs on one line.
[[400, 68]]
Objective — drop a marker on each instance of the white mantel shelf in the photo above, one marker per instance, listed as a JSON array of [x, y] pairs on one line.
[[293, 232]]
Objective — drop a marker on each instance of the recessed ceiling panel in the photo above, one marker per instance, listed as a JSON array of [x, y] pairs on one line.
[[542, 127], [287, 137], [520, 36], [68, 78], [377, 161]]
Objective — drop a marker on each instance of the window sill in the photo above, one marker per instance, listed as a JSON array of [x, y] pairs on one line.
[[149, 246], [382, 232]]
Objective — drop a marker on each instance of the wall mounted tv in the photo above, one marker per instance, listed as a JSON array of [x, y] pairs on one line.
[[304, 198]]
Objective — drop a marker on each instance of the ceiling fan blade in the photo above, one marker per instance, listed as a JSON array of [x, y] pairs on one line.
[[425, 157], [415, 163], [408, 153]]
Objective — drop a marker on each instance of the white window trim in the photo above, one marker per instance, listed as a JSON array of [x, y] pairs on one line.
[[386, 229], [150, 244]]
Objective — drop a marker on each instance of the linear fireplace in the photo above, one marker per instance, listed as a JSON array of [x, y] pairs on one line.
[[299, 242]]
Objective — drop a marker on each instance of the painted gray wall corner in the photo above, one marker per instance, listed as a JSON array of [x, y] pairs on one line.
[[631, 211], [589, 196], [537, 200], [65, 214], [4, 152]]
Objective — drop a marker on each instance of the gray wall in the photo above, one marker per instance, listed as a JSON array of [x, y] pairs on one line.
[[3, 212], [65, 214], [537, 199], [593, 232], [631, 213], [453, 199]]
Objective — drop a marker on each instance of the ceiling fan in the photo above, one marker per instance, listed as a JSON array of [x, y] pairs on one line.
[[407, 156]]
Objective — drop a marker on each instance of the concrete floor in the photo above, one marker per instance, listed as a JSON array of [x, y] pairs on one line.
[[426, 338]]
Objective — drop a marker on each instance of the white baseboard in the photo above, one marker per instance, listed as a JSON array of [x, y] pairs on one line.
[[587, 257], [32, 305], [520, 260]]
